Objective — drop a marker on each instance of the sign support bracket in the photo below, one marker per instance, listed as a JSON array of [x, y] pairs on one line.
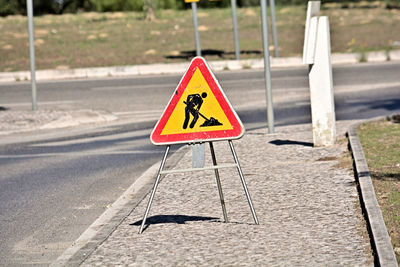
[[215, 167]]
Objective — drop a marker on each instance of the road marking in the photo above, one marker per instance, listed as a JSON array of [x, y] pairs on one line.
[[77, 154], [133, 87], [139, 112], [173, 85], [40, 103], [337, 88], [364, 87], [110, 138], [302, 103]]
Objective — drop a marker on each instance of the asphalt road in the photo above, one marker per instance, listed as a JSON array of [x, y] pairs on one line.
[[53, 188]]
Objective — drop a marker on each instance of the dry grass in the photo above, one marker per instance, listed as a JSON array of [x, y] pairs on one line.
[[106, 39], [381, 145]]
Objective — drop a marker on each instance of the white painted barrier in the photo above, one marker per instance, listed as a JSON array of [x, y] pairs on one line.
[[317, 53], [310, 35]]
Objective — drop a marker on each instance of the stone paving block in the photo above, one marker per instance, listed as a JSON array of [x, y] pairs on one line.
[[306, 206]]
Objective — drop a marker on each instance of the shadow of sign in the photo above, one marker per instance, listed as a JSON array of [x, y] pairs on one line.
[[279, 142], [178, 219]]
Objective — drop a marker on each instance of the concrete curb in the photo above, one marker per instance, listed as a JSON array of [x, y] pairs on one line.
[[384, 254], [171, 68], [103, 227], [106, 224]]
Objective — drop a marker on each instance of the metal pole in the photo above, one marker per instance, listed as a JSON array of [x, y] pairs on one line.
[[253, 212], [221, 194], [267, 68], [274, 32], [198, 152], [235, 30], [196, 31], [32, 53], [154, 190]]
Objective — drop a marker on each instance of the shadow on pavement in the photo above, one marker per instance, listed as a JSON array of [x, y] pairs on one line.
[[179, 219], [210, 52], [279, 142]]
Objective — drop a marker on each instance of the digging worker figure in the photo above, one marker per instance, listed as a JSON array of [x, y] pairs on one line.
[[193, 104]]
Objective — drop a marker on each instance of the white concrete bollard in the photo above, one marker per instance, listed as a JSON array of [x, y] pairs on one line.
[[310, 35], [321, 86], [317, 54]]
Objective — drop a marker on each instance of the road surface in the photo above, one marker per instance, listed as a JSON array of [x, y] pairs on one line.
[[53, 187]]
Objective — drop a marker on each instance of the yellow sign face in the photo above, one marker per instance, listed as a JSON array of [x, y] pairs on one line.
[[183, 120], [190, 1], [198, 111]]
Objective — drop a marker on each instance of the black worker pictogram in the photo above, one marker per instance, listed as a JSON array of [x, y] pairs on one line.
[[193, 105]]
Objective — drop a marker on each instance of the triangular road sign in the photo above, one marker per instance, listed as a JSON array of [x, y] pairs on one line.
[[198, 111]]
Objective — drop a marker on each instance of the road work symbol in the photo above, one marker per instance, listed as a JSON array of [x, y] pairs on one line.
[[193, 104], [198, 110]]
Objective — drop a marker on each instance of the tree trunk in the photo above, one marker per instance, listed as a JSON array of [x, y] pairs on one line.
[[148, 9]]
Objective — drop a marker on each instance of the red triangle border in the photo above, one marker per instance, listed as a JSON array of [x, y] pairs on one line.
[[198, 137]]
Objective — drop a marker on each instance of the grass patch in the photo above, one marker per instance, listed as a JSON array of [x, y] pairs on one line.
[[124, 38], [381, 144]]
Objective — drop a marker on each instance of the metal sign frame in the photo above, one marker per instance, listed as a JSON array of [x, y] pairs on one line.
[[215, 167]]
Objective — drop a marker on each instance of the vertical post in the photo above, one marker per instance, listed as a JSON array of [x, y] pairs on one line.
[[196, 31], [321, 87], [198, 159], [267, 67], [154, 190], [32, 53], [235, 29], [253, 212], [221, 195], [274, 31], [310, 33]]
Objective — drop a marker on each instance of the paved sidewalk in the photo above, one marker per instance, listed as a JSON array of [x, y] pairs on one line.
[[305, 201]]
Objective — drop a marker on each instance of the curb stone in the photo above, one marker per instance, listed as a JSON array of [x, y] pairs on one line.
[[172, 68], [379, 235]]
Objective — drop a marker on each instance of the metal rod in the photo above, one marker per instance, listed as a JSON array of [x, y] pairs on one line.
[[196, 30], [32, 54], [235, 29], [154, 190], [274, 31], [267, 67], [221, 194], [253, 212], [222, 166]]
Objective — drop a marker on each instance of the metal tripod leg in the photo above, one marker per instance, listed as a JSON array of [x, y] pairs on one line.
[[154, 190], [243, 182], [221, 195]]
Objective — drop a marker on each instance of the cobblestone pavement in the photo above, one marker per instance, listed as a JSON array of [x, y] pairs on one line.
[[305, 202]]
